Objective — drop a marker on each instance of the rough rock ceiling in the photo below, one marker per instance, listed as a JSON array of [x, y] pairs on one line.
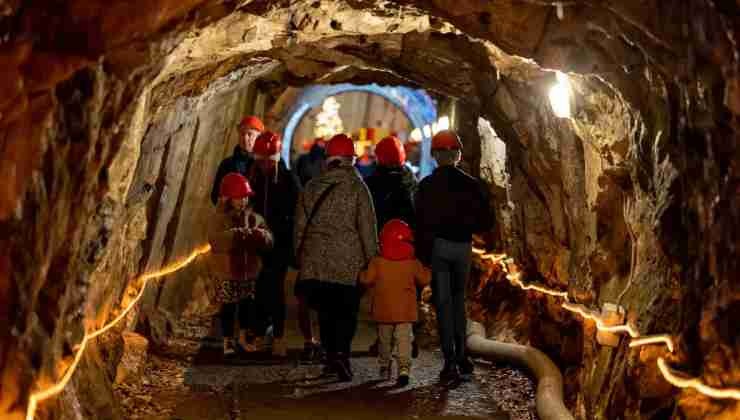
[[75, 82]]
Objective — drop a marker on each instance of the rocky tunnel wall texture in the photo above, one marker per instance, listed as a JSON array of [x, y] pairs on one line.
[[112, 114]]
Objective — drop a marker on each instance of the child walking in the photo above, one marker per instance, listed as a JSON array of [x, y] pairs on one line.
[[394, 276], [237, 236]]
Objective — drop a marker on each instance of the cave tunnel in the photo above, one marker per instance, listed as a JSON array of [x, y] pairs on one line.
[[606, 133]]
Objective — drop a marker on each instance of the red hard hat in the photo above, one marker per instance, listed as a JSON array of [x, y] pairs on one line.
[[235, 186], [340, 145], [390, 152], [446, 140], [396, 241], [267, 144], [252, 122]]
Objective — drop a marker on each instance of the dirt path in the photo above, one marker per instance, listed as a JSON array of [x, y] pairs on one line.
[[193, 381]]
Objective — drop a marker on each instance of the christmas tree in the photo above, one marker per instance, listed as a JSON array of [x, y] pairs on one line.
[[328, 122]]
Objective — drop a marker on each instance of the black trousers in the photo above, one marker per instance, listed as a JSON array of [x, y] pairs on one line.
[[271, 298], [338, 306], [246, 309]]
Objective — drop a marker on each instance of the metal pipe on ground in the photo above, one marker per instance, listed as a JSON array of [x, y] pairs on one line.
[[549, 399]]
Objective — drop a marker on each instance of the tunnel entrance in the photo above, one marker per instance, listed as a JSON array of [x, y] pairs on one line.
[[367, 118], [409, 113]]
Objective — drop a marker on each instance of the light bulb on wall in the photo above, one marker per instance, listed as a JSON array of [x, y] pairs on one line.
[[560, 96], [415, 134], [443, 123]]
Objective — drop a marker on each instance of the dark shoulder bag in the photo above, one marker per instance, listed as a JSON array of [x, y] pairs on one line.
[[299, 253]]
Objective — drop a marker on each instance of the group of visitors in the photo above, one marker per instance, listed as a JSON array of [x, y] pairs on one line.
[[325, 224], [254, 184]]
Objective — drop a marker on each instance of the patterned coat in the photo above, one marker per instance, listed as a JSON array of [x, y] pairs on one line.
[[237, 240], [342, 237]]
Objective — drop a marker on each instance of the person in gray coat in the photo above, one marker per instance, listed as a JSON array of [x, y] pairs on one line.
[[336, 237]]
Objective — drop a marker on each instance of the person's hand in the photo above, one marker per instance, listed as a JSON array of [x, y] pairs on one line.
[[246, 232], [256, 234]]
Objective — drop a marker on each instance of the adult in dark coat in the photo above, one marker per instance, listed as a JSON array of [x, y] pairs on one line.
[[275, 196], [451, 206], [311, 164], [241, 160], [392, 185]]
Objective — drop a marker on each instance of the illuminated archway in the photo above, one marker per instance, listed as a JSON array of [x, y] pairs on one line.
[[415, 103]]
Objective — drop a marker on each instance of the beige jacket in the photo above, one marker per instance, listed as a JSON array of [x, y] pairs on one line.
[[342, 236]]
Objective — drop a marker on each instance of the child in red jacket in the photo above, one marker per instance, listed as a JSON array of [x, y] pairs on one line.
[[394, 276]]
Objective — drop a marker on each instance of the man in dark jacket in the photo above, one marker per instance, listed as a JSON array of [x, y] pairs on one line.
[[311, 164], [240, 162], [275, 196], [451, 206]]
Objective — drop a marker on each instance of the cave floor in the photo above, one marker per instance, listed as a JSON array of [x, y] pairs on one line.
[[190, 379]]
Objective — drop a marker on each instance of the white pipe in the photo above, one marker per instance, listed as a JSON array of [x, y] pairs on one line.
[[549, 398]]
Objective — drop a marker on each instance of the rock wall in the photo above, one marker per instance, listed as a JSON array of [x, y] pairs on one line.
[[598, 211], [635, 200]]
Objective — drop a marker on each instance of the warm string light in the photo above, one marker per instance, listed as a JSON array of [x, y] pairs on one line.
[[695, 383], [49, 392], [515, 278], [654, 339], [636, 340], [596, 317]]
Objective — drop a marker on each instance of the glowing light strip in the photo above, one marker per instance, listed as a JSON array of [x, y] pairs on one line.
[[587, 313], [515, 278], [494, 258], [635, 339], [654, 339], [39, 396], [696, 383]]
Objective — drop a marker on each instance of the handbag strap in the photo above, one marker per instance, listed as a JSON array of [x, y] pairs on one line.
[[314, 210]]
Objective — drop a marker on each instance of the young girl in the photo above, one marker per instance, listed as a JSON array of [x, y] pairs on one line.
[[394, 276], [238, 236]]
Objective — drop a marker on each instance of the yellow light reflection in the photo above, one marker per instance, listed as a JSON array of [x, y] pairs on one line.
[[696, 383], [596, 317], [635, 339], [515, 279], [39, 396], [654, 339]]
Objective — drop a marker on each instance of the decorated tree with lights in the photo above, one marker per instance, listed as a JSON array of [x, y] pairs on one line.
[[328, 121]]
